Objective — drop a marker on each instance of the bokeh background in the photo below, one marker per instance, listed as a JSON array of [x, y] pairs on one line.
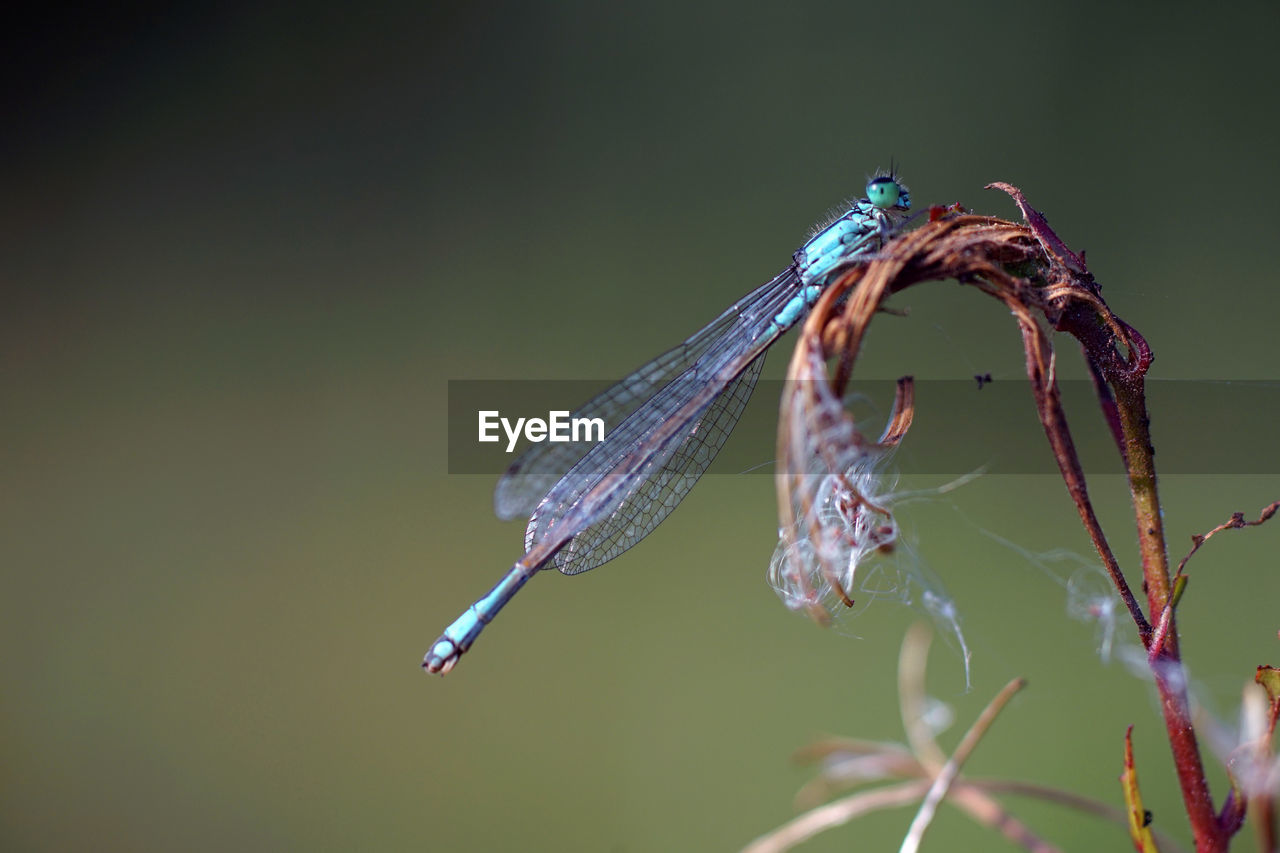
[[245, 248]]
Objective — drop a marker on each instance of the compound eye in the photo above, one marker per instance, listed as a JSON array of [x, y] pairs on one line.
[[883, 192]]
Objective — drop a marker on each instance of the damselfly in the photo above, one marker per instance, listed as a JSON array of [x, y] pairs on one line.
[[673, 414]]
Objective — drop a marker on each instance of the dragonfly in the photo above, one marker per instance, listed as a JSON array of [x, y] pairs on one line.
[[673, 414]]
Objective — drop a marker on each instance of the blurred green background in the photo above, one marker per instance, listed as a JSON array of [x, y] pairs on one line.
[[244, 250]]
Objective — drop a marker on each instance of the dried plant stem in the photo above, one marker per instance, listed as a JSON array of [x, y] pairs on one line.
[[1043, 283], [835, 814], [988, 812], [969, 797], [848, 762], [911, 696], [1070, 800], [942, 782]]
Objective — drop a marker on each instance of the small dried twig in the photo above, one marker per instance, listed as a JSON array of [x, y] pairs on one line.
[[1236, 522]]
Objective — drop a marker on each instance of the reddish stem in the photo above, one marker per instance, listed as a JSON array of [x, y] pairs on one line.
[[1098, 335], [1127, 380]]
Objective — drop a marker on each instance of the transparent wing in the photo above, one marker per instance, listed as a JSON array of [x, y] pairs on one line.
[[533, 474], [689, 417], [673, 474]]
